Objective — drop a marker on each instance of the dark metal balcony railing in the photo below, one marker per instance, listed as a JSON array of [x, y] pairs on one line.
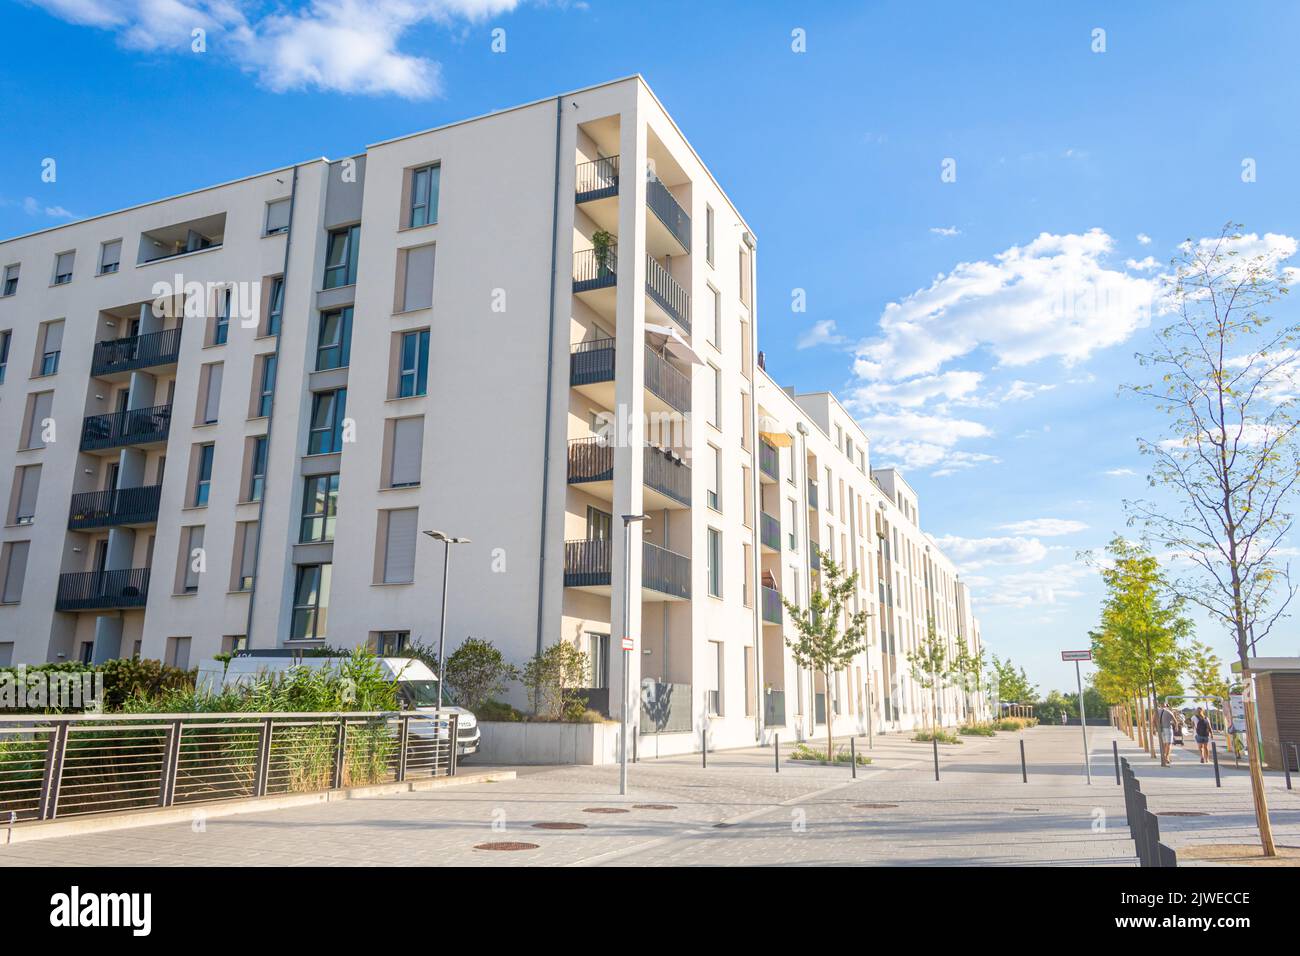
[[665, 708], [769, 461], [595, 270], [590, 459], [770, 531], [103, 509], [771, 605], [814, 557], [133, 427], [96, 590], [591, 362], [665, 571], [666, 382], [667, 474], [136, 351], [812, 494], [665, 291], [587, 562], [670, 212], [597, 179], [774, 708]]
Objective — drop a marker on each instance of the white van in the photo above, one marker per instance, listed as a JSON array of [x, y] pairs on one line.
[[417, 685]]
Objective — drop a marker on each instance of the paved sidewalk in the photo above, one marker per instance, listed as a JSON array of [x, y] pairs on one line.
[[735, 812]]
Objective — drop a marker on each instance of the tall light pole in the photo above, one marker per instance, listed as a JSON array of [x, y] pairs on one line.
[[447, 541], [628, 521]]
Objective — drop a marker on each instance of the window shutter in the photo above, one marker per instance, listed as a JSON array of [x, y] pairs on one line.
[[399, 555], [248, 558], [277, 216], [40, 412], [408, 447], [64, 263], [112, 255], [13, 592], [54, 337], [31, 483], [196, 541], [418, 293], [213, 401]]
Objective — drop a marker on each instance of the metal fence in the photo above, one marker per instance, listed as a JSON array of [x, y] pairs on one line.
[[60, 766], [1143, 824]]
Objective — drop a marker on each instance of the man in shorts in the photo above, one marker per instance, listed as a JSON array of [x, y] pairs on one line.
[[1167, 718]]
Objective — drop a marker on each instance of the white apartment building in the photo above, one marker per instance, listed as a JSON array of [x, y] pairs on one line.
[[230, 415]]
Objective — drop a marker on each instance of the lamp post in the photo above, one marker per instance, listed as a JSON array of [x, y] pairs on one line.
[[447, 541], [628, 521]]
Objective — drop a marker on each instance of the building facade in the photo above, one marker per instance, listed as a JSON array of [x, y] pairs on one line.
[[246, 406]]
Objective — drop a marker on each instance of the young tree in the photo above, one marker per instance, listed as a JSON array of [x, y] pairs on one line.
[[551, 675], [930, 668], [1205, 672], [1010, 683], [1226, 382], [968, 669], [820, 646], [477, 671]]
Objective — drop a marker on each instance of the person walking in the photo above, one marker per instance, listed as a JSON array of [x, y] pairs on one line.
[[1166, 733], [1062, 718], [1203, 734]]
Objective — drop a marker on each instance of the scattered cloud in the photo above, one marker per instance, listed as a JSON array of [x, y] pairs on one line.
[[1044, 527], [34, 207], [822, 333], [1143, 238], [1120, 472], [1141, 265], [1030, 588], [1019, 391], [945, 230], [1246, 251], [951, 385], [970, 554]]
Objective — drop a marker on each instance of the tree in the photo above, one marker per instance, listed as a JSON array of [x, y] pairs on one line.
[[930, 668], [1205, 672], [820, 646], [968, 669], [550, 675], [477, 671], [1228, 461], [1011, 685]]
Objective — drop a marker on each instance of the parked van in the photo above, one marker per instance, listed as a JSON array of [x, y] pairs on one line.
[[417, 685]]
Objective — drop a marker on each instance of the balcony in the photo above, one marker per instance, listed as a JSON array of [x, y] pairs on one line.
[[664, 205], [591, 362], [590, 459], [812, 495], [102, 590], [593, 269], [157, 245], [665, 708], [597, 180], [137, 351], [121, 506], [769, 461], [137, 426], [771, 605], [814, 558], [666, 477], [665, 571], [664, 471], [663, 290], [774, 708], [587, 564], [666, 383], [770, 531]]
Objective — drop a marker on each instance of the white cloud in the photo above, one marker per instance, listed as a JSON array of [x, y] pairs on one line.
[[822, 333], [915, 440], [1032, 588], [1246, 251], [1019, 391], [346, 46], [945, 230], [970, 554], [1145, 264], [1044, 527], [1120, 472], [917, 391], [1143, 238], [34, 207]]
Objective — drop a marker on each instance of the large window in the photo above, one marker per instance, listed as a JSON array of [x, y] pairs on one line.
[[221, 327], [110, 256], [11, 280], [51, 347], [334, 342], [413, 371], [5, 338], [341, 257], [266, 389], [715, 562], [424, 195], [275, 307], [327, 410], [320, 505], [63, 267], [257, 469], [311, 599], [203, 475]]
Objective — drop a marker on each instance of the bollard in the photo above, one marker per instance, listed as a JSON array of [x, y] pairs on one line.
[[776, 751], [1024, 768], [853, 759], [704, 747], [935, 741], [1214, 752], [1114, 744], [1295, 751], [1286, 769]]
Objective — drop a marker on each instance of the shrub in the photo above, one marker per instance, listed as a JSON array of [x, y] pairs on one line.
[[802, 751], [1016, 723], [498, 710], [977, 730], [943, 736], [477, 671], [549, 676]]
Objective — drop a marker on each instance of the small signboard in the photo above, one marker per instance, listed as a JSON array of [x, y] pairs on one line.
[[1076, 655], [627, 644]]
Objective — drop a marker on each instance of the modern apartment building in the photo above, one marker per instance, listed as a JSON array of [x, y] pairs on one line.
[[231, 414]]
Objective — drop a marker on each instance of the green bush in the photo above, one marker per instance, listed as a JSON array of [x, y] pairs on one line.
[[551, 675], [498, 710], [802, 751], [977, 730], [943, 736]]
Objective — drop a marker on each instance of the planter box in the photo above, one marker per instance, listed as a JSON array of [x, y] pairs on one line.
[[526, 743]]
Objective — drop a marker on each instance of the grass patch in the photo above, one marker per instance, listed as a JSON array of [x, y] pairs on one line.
[[943, 736], [804, 752], [977, 730], [1015, 723]]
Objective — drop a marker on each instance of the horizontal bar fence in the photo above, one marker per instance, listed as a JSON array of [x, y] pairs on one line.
[[61, 766]]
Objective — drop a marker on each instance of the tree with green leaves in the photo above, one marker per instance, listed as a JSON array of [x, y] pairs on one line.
[[968, 670], [1205, 672], [1011, 684], [930, 668], [551, 675], [478, 671], [820, 645]]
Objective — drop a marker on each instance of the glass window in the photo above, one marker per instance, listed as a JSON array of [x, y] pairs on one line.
[[110, 256], [203, 482], [341, 257], [5, 338], [424, 195], [320, 504], [275, 309], [11, 280], [52, 345], [327, 410], [221, 329], [413, 375], [277, 217], [63, 267], [257, 470], [334, 342], [708, 234], [715, 562], [267, 389], [311, 598]]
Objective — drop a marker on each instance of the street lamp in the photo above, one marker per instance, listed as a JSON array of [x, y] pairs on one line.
[[447, 541], [628, 521]]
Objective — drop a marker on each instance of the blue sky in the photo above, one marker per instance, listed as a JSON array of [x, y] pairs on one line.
[[1004, 415]]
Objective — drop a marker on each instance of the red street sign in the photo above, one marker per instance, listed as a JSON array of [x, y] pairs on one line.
[[1076, 655], [627, 644]]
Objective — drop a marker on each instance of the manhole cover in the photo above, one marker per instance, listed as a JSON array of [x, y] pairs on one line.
[[559, 826], [1026, 809], [604, 810], [875, 806], [721, 826], [653, 806], [507, 846], [1182, 813]]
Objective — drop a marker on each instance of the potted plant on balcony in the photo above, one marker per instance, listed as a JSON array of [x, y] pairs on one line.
[[601, 244]]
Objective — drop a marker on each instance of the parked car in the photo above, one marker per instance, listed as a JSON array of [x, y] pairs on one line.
[[417, 685]]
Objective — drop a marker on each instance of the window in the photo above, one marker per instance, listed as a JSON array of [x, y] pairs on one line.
[[415, 274], [110, 256], [311, 598], [600, 524], [210, 380], [221, 323], [715, 479], [389, 643], [193, 559], [406, 448], [256, 468], [11, 280], [245, 555], [275, 306], [715, 563], [38, 413], [266, 387], [744, 276], [708, 234], [326, 436], [14, 559], [413, 370], [6, 653], [277, 217], [5, 338], [398, 534], [334, 341], [51, 346], [341, 257], [715, 413], [320, 505], [27, 482], [203, 475], [715, 334], [713, 679], [178, 652], [63, 267], [424, 195]]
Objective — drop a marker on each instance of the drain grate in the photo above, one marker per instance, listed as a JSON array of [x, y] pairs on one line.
[[1026, 809], [874, 806], [1182, 813], [559, 826], [506, 846], [653, 806], [604, 810], [722, 826]]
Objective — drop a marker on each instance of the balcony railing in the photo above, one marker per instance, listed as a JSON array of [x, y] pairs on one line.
[[590, 459], [595, 270], [664, 205], [597, 179], [814, 557], [587, 562], [137, 426], [770, 531], [665, 708], [769, 461], [136, 351], [774, 708], [771, 605], [591, 362], [666, 382], [664, 290], [667, 474], [104, 509], [665, 571], [102, 590], [812, 494]]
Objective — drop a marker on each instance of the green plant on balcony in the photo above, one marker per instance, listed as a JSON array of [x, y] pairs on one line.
[[602, 243]]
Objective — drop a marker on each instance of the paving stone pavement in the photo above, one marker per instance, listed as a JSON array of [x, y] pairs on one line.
[[737, 811]]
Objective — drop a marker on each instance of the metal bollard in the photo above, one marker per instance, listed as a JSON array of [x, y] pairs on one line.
[[704, 747], [935, 740], [1214, 752], [1114, 744], [1024, 768], [1286, 769], [776, 751], [853, 759]]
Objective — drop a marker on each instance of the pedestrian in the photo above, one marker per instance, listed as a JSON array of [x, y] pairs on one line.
[[1166, 733], [1062, 718], [1203, 734]]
